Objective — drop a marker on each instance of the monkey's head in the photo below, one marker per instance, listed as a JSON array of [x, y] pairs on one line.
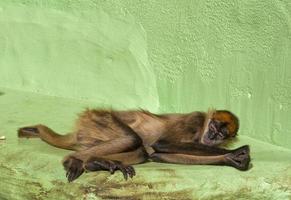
[[220, 126]]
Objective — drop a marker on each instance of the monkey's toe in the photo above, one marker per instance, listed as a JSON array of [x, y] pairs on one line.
[[28, 132], [74, 168], [97, 164], [127, 171], [240, 158]]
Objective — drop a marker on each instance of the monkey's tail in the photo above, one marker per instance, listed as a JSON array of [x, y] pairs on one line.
[[49, 136]]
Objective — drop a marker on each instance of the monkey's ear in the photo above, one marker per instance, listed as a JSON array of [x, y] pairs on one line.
[[209, 116], [230, 119], [210, 112]]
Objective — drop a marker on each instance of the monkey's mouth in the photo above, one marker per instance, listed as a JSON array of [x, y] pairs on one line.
[[207, 141]]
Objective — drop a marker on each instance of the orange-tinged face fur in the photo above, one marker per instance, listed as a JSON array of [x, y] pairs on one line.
[[221, 125], [230, 119]]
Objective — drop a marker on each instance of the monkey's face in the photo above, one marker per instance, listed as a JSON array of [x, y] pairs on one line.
[[216, 133], [222, 125]]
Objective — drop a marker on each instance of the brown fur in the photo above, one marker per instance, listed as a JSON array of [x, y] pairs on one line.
[[110, 140]]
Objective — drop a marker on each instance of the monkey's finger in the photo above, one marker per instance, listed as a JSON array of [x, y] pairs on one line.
[[127, 171], [79, 173], [124, 172], [72, 174], [111, 169], [68, 171], [75, 173], [68, 176], [130, 171]]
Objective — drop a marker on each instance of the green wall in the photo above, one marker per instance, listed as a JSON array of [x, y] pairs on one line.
[[165, 56]]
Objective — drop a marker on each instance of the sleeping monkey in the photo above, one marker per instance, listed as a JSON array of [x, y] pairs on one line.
[[115, 140]]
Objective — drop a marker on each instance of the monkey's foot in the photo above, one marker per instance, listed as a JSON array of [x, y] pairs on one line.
[[239, 158], [74, 168], [96, 164], [28, 132]]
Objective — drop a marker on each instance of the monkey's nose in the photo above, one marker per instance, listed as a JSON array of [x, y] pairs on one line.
[[211, 135]]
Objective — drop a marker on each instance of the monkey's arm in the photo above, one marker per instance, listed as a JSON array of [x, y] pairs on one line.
[[200, 154], [188, 159], [164, 146]]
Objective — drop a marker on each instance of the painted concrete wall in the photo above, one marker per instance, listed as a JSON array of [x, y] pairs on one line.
[[159, 55]]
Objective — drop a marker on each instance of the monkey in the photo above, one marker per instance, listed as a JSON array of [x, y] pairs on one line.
[[111, 140]]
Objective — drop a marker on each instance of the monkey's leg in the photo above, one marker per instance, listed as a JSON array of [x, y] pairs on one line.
[[49, 136], [121, 161], [130, 158], [127, 141], [238, 158], [111, 163], [114, 146], [93, 158]]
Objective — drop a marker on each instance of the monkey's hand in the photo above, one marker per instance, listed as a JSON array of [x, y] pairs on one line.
[[239, 158], [96, 164], [74, 168]]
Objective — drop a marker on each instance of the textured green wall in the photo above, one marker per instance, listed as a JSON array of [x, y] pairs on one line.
[[160, 55], [83, 54]]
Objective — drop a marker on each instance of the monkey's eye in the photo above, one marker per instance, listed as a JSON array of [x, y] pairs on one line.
[[217, 130], [224, 131], [220, 135], [212, 126]]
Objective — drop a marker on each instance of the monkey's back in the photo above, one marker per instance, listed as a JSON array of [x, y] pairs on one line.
[[148, 126], [99, 125], [96, 126]]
